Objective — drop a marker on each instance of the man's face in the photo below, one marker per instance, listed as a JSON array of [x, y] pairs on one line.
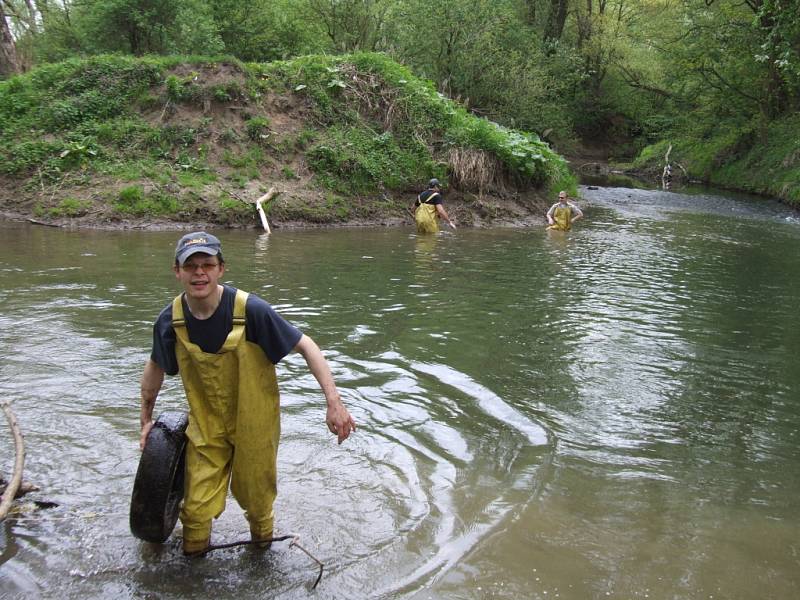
[[200, 275], [562, 198]]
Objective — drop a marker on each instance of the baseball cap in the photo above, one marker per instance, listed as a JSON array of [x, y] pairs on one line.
[[433, 183], [198, 241]]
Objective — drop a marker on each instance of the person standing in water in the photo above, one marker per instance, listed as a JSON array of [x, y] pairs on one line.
[[225, 344], [428, 209], [563, 213]]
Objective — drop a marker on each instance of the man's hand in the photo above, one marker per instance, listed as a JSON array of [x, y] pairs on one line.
[[143, 436], [339, 420]]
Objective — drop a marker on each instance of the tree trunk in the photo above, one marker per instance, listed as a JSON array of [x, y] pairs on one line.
[[32, 25], [777, 94], [9, 63], [556, 19]]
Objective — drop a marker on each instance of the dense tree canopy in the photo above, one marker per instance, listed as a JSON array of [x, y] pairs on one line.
[[636, 70]]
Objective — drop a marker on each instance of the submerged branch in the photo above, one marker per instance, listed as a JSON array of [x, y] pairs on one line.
[[281, 538]]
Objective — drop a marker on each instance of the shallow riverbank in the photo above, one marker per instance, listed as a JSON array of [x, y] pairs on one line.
[[467, 210]]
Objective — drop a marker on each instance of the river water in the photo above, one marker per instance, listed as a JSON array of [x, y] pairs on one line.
[[609, 413]]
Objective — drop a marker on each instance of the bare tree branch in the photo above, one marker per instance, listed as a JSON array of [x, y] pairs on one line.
[[724, 84], [634, 81]]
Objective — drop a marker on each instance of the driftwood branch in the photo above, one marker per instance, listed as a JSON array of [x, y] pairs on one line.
[[272, 193], [19, 463], [666, 175], [36, 222], [268, 197]]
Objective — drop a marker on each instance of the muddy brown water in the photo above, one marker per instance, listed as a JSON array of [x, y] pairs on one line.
[[612, 413]]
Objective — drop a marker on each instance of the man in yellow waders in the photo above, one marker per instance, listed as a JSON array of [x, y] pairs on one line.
[[225, 343], [428, 209], [563, 213]]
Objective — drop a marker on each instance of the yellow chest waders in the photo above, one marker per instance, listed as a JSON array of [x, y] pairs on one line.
[[562, 216], [234, 427], [426, 217]]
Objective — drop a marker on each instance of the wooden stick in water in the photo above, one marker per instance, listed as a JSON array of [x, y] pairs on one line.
[[265, 198], [19, 463]]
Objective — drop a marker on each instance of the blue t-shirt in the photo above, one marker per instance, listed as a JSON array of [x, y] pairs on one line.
[[263, 326]]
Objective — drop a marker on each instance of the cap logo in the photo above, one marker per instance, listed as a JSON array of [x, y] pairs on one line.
[[195, 241]]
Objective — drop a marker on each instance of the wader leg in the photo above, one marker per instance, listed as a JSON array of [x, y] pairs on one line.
[[254, 485], [208, 471]]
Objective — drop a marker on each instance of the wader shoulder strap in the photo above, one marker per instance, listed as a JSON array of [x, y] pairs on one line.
[[431, 197], [239, 320], [178, 322]]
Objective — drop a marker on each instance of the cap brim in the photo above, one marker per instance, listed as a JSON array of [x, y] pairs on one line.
[[187, 252]]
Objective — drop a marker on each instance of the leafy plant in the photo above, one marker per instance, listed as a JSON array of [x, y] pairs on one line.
[[182, 89], [77, 154], [133, 201], [258, 129]]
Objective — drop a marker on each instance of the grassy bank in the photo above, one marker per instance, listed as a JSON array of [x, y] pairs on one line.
[[343, 138], [753, 157]]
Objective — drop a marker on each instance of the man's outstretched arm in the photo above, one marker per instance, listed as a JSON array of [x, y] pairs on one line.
[[338, 418]]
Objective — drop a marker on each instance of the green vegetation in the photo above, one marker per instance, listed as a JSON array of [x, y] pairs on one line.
[[368, 127], [763, 160], [726, 98], [718, 80], [257, 129], [382, 122], [68, 207], [134, 201]]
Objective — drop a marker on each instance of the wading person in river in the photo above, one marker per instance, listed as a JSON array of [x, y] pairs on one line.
[[428, 209], [563, 213], [225, 344]]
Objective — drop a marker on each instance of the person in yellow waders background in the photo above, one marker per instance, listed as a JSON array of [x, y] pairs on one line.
[[225, 344], [428, 208], [563, 213]]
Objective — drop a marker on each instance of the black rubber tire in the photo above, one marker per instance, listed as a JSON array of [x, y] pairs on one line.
[[158, 487]]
